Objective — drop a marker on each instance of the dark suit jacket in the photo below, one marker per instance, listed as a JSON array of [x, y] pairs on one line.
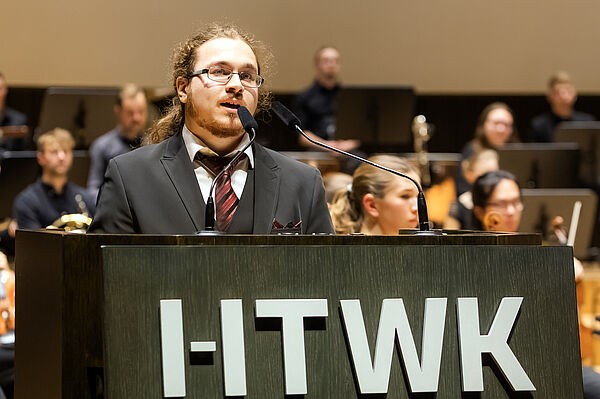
[[153, 190]]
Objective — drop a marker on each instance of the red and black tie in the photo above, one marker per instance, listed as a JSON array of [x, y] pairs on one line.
[[226, 202]]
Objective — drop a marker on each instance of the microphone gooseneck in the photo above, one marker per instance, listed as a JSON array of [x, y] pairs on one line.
[[250, 126], [293, 123]]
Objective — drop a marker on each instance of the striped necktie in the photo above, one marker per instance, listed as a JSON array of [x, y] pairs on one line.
[[226, 201]]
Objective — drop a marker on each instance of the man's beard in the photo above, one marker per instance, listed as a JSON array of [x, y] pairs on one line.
[[216, 128]]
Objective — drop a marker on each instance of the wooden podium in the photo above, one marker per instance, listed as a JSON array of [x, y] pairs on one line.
[[100, 315]]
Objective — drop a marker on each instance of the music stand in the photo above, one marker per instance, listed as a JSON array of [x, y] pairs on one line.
[[542, 165], [587, 135], [540, 206], [18, 169], [379, 117], [86, 112]]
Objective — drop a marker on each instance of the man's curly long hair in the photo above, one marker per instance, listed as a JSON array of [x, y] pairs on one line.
[[184, 60]]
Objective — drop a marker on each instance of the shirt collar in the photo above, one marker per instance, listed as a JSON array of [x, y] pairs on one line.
[[327, 89], [50, 191], [193, 144]]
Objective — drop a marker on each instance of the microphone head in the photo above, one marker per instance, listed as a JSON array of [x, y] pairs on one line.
[[248, 121], [286, 116]]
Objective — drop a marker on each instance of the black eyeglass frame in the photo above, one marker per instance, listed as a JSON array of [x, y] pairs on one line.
[[206, 70]]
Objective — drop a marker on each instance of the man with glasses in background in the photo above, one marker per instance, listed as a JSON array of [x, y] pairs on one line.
[[162, 188]]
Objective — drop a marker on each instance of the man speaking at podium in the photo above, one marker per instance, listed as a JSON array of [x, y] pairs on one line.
[[162, 188]]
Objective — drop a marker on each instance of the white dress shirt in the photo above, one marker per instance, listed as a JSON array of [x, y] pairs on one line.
[[238, 179]]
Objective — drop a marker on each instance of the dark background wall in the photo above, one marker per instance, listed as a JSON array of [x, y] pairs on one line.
[[454, 116]]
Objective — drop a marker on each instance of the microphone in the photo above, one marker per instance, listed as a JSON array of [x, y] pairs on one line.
[[250, 126], [293, 123]]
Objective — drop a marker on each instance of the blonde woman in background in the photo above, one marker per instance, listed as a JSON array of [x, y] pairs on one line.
[[377, 202]]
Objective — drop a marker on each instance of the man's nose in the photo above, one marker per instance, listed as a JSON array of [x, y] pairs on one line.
[[235, 83], [511, 209], [138, 117]]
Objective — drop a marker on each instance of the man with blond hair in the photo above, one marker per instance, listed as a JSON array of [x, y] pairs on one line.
[[162, 188], [52, 195], [562, 96], [131, 111]]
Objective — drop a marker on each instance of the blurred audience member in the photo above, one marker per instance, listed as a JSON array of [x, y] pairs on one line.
[[378, 202], [316, 106], [562, 96], [334, 181], [12, 123], [131, 111], [494, 129], [52, 195], [497, 202], [460, 215]]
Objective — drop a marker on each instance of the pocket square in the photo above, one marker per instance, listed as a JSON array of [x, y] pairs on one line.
[[290, 228]]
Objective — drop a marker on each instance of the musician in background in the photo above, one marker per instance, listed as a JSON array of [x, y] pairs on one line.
[[316, 106], [495, 127], [461, 210], [10, 118], [377, 202], [562, 96], [131, 111], [52, 195]]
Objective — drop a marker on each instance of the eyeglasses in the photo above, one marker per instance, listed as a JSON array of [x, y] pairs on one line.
[[507, 125], [222, 74], [504, 205]]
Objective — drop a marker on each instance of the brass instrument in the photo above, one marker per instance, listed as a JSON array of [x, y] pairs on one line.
[[73, 222], [421, 135]]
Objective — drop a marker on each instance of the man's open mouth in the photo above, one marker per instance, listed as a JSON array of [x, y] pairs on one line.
[[230, 105]]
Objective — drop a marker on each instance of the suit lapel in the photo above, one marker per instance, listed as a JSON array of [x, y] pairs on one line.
[[180, 170], [266, 190]]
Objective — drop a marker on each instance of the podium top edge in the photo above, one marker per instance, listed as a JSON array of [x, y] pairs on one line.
[[450, 237]]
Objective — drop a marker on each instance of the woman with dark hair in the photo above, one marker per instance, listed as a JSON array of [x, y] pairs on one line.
[[497, 202], [495, 127]]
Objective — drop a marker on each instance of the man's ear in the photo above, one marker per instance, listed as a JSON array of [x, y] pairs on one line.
[[117, 110], [40, 158], [181, 85], [549, 95], [370, 205], [491, 220]]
